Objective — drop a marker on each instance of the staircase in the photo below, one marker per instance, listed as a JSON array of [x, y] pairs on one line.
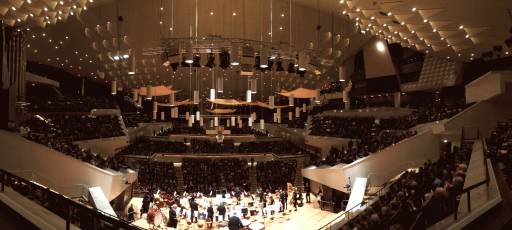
[[253, 179], [179, 178]]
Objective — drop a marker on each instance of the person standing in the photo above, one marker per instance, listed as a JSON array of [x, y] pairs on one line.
[[282, 199], [308, 193], [173, 220], [131, 213], [209, 210], [222, 211]]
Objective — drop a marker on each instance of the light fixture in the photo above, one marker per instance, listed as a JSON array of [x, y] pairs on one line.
[[211, 12], [461, 27], [302, 61], [264, 58], [389, 14], [133, 65], [372, 18], [434, 30], [425, 20], [189, 57], [467, 35], [413, 9]]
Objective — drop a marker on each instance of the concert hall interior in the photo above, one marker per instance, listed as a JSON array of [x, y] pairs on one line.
[[255, 114]]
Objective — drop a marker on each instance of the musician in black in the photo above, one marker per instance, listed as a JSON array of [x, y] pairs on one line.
[[173, 220], [222, 211]]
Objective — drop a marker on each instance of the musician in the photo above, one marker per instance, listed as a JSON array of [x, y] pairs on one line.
[[308, 192], [146, 201], [285, 199], [173, 220], [209, 210], [295, 199], [235, 223], [282, 199], [222, 210], [131, 213], [193, 208]]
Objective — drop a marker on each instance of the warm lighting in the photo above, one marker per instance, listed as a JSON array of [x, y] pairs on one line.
[[461, 27], [380, 46], [413, 9]]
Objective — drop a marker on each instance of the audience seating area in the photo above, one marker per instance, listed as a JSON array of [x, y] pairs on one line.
[[273, 175], [499, 149], [211, 175], [431, 191], [70, 104], [60, 131]]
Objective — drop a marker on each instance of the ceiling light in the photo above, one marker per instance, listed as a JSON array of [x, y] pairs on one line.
[[402, 23], [467, 35], [282, 15], [425, 20], [461, 27], [344, 12], [211, 12], [385, 24], [389, 14], [13, 8], [29, 1], [234, 13], [61, 2], [413, 9], [342, 1], [358, 9], [380, 46], [45, 9], [434, 30], [372, 18]]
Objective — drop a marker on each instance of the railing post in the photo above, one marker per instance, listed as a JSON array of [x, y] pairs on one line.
[[469, 200], [455, 209], [3, 182], [68, 218]]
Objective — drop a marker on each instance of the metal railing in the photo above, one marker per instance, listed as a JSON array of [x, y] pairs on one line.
[[72, 212], [419, 221], [352, 212]]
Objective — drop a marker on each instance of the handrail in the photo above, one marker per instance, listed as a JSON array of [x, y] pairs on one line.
[[467, 189], [61, 205], [346, 212]]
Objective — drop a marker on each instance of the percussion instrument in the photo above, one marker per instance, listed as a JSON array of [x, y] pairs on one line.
[[155, 217], [246, 222], [256, 226]]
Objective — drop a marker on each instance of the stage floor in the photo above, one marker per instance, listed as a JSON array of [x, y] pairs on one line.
[[307, 217]]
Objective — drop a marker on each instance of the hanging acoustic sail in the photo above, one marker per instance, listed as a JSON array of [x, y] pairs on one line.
[[196, 97]]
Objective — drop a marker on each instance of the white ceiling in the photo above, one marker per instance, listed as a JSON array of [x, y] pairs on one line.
[[65, 43]]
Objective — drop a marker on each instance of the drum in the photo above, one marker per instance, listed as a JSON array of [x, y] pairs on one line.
[[246, 222], [256, 226], [155, 217]]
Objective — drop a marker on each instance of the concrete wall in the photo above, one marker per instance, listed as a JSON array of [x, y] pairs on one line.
[[380, 167], [19, 154], [326, 143], [104, 146], [489, 85], [484, 115]]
